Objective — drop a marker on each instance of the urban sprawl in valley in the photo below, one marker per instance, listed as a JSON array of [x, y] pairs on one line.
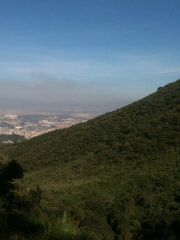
[[32, 125]]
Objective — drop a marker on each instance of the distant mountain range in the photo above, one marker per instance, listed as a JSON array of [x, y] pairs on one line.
[[66, 105]]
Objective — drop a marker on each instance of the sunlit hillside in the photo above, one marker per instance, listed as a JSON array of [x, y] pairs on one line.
[[122, 166]]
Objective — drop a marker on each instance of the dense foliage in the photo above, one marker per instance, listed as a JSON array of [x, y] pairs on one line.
[[119, 172], [8, 139], [21, 216]]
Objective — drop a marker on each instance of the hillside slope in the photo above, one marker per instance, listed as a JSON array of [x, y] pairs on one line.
[[146, 128], [143, 134], [123, 167], [94, 155]]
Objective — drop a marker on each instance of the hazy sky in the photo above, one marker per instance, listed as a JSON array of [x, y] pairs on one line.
[[88, 50]]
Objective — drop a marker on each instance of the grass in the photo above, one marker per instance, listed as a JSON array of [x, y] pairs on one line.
[[75, 184]]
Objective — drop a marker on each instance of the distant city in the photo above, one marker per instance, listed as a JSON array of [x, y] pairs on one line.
[[32, 125]]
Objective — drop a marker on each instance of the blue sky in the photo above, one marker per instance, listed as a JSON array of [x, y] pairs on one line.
[[86, 50]]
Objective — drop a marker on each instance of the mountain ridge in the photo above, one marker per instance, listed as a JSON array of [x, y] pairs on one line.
[[145, 115]]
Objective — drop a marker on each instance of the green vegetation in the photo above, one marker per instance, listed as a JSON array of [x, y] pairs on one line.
[[14, 138], [21, 216], [116, 176]]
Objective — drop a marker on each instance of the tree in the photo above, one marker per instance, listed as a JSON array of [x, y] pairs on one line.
[[9, 171]]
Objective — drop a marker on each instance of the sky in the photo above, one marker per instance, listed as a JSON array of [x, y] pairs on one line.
[[90, 51]]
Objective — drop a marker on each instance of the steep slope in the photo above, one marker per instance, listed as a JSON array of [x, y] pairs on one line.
[[105, 155], [123, 166], [144, 129]]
